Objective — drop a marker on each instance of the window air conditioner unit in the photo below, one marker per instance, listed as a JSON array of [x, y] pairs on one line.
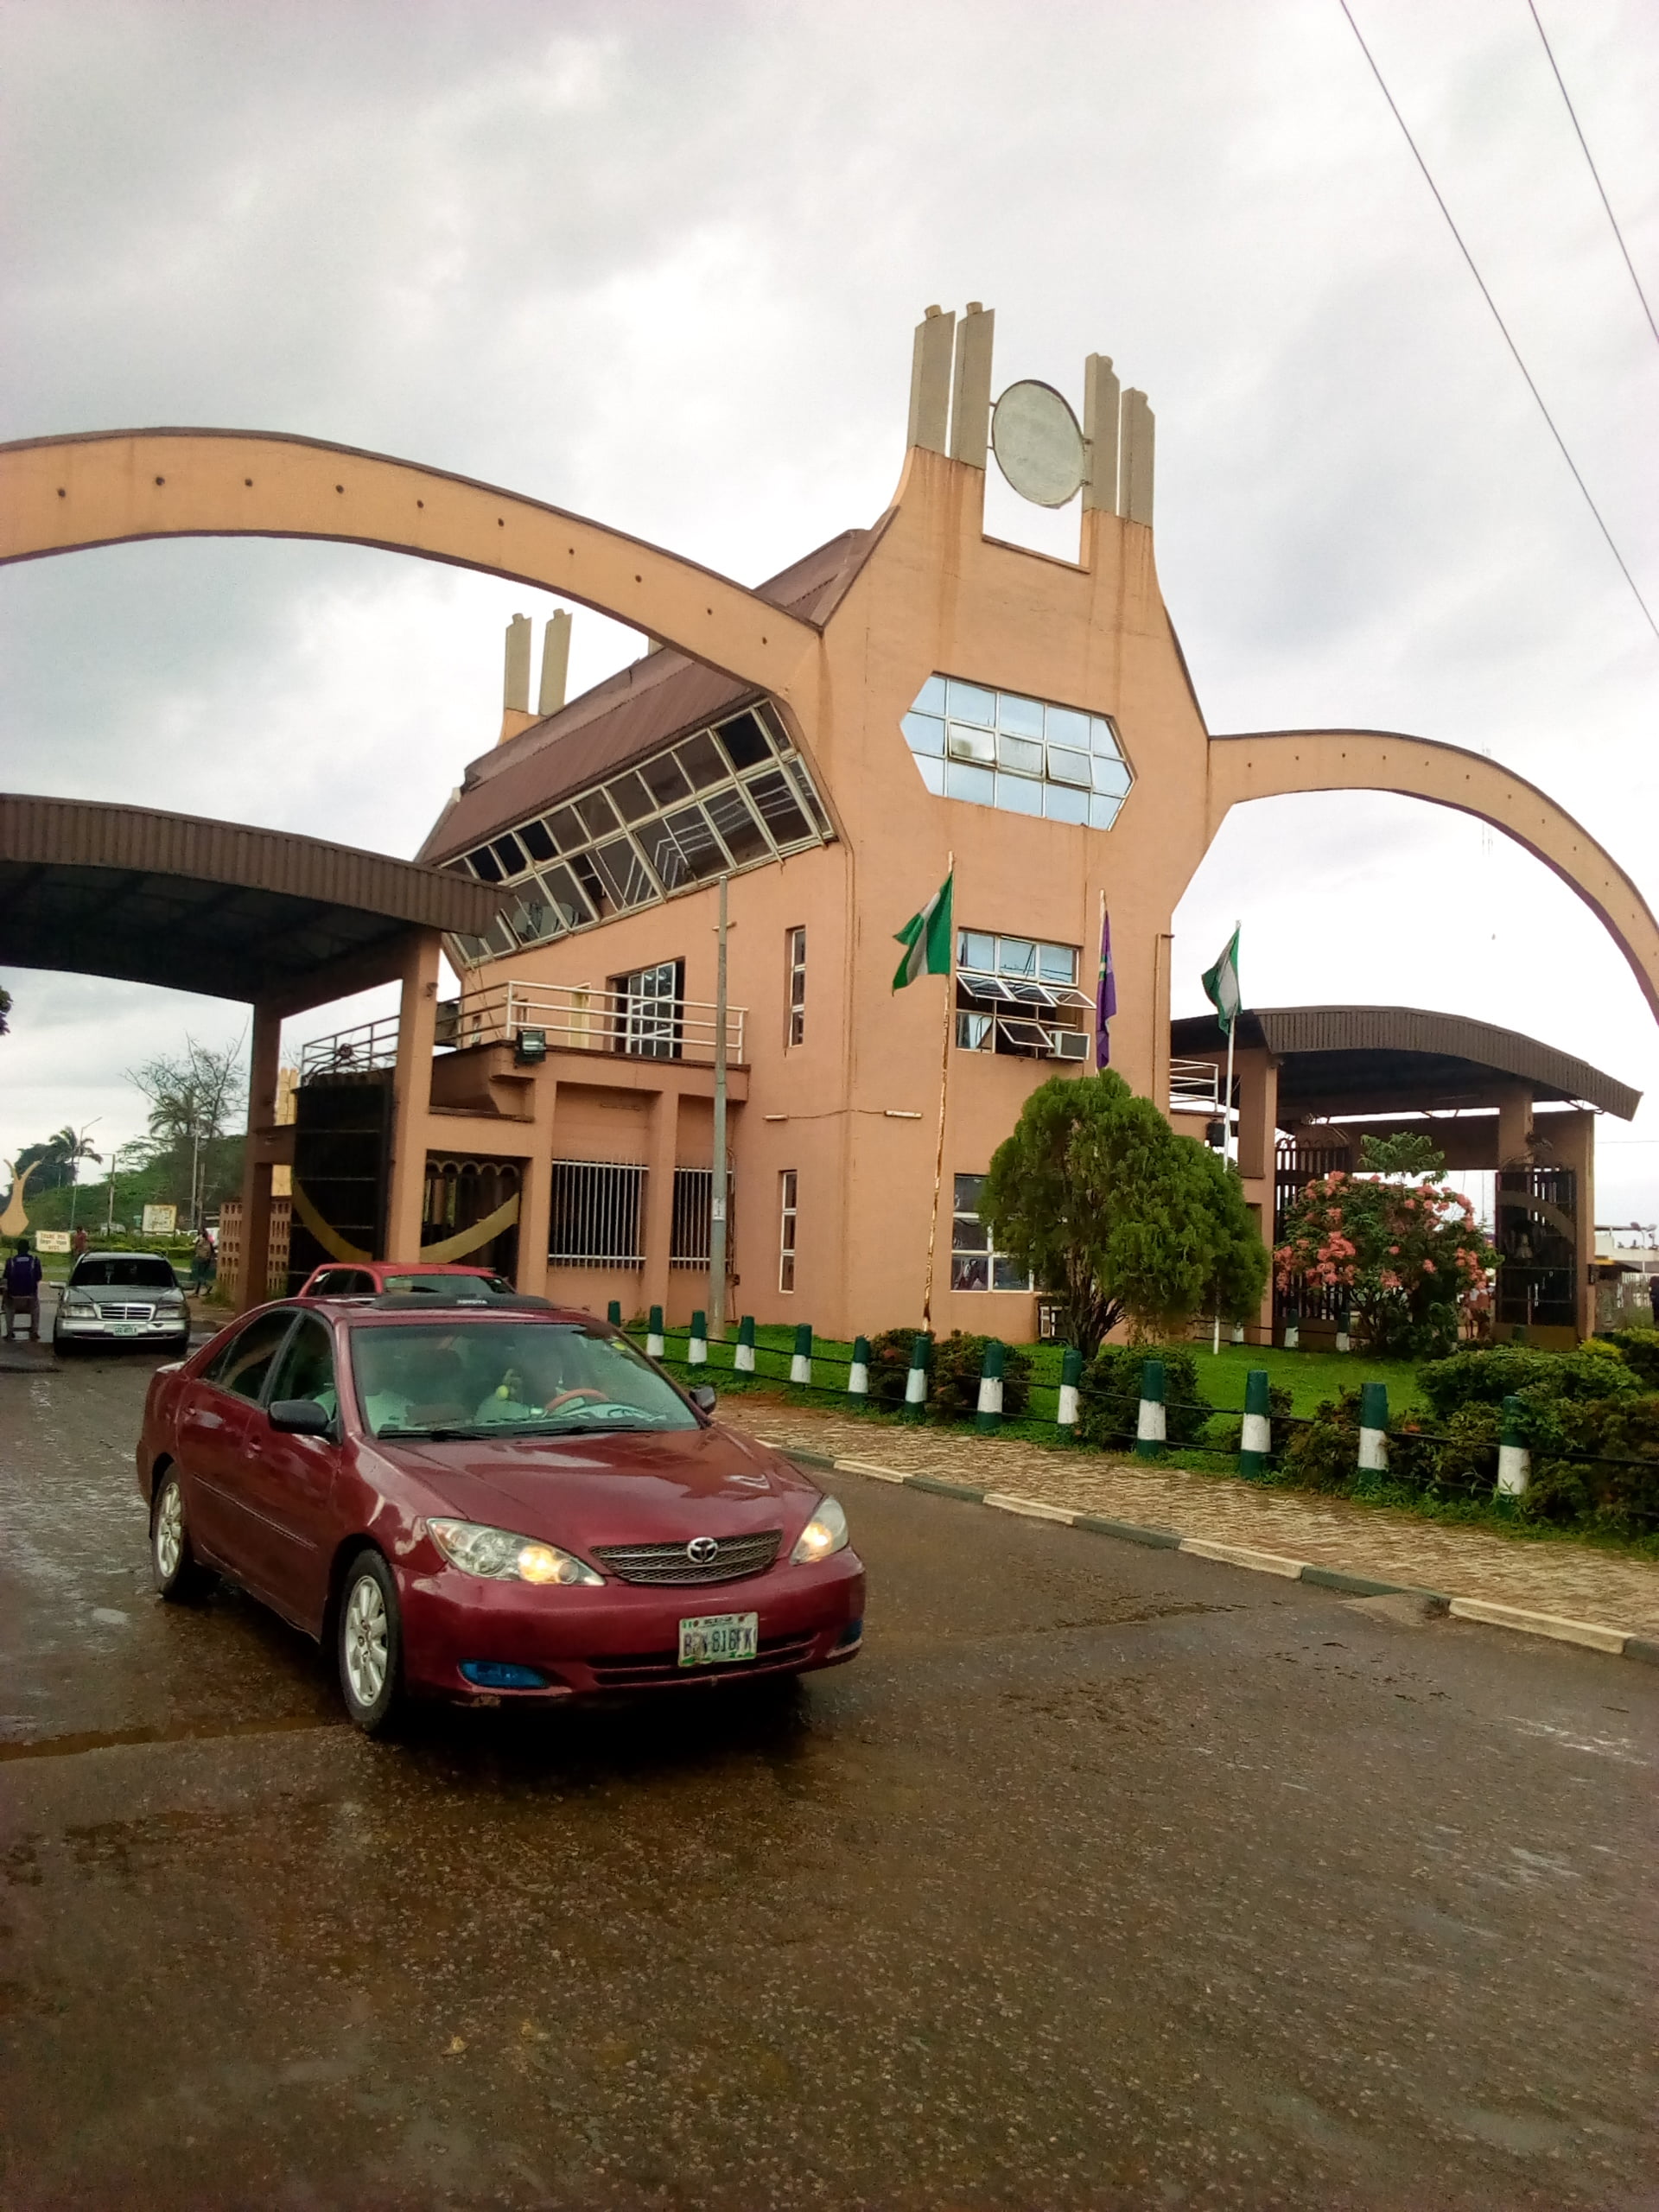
[[1070, 1045]]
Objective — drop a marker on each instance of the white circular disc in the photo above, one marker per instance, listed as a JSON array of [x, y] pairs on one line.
[[1038, 444]]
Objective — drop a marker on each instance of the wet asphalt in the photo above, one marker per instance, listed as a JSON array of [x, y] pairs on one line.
[[1104, 1878]]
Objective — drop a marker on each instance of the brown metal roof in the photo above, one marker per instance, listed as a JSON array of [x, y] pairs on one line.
[[1356, 1059], [199, 905], [632, 714]]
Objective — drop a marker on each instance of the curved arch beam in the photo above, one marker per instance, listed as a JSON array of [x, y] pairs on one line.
[[63, 495], [1271, 763]]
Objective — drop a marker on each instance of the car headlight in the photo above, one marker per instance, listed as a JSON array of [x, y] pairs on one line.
[[826, 1532], [77, 1302], [170, 1300], [500, 1556]]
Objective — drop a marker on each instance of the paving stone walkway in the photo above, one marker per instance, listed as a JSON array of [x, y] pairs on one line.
[[1547, 1575]]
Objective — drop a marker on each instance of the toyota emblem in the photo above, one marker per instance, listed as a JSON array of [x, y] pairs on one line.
[[701, 1549]]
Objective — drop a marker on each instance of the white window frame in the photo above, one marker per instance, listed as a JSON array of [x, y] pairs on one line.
[[788, 1214], [795, 985], [1021, 993], [987, 1251]]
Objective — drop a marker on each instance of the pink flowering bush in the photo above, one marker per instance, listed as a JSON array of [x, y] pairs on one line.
[[1407, 1254]]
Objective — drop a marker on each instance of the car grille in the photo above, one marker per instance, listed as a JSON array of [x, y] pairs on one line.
[[626, 1670], [734, 1556], [127, 1313]]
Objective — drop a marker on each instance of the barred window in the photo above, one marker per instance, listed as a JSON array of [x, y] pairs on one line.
[[690, 1245], [974, 1264], [794, 940], [786, 1210], [595, 1217]]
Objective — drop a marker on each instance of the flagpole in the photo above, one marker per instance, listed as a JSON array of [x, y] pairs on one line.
[[1226, 1135], [945, 1079]]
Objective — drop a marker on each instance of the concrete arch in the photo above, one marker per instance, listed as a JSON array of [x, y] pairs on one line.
[[1271, 763], [63, 495]]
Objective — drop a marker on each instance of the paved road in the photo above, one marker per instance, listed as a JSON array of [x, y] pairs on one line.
[[1105, 1879]]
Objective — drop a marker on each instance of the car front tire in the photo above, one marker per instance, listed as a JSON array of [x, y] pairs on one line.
[[369, 1645], [178, 1575]]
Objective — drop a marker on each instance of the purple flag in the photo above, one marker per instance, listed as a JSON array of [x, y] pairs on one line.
[[1106, 996]]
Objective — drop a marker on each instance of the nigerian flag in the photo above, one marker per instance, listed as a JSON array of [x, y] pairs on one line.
[[926, 939], [1221, 984]]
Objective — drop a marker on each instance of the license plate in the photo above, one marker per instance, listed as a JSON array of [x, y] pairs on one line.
[[714, 1638], [124, 1328]]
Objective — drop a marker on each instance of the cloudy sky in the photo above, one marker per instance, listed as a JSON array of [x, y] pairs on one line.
[[661, 262]]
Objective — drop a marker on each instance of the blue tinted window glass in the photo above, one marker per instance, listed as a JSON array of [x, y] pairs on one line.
[[929, 700], [1068, 767], [1062, 804], [1057, 963], [1016, 955], [977, 949], [961, 781], [1066, 727], [925, 733], [1022, 756], [932, 774], [971, 702], [1111, 777], [1017, 795], [1102, 811], [1102, 735], [1023, 716]]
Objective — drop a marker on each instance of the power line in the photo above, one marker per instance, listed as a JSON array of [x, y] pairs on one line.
[[1590, 158], [1497, 318]]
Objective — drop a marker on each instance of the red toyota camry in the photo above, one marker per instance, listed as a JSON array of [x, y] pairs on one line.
[[484, 1504]]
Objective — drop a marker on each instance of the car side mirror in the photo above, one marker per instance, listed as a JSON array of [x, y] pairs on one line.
[[300, 1417], [703, 1397]]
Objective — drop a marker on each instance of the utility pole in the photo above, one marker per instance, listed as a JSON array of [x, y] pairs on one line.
[[717, 1181]]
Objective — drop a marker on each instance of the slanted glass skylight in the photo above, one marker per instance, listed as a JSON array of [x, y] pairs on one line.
[[1027, 756], [733, 796]]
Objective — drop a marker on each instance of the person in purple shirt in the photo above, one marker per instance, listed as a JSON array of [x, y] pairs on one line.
[[22, 1282]]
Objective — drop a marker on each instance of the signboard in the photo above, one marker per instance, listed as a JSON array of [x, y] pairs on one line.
[[161, 1221], [52, 1240]]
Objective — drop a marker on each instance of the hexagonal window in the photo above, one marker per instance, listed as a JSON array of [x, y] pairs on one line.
[[1059, 762]]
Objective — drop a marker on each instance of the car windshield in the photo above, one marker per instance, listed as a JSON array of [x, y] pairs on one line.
[[124, 1271], [535, 1377], [445, 1286]]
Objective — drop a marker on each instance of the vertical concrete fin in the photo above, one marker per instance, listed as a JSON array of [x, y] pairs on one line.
[[970, 399], [555, 663], [930, 380], [1134, 458], [1100, 411], [515, 689]]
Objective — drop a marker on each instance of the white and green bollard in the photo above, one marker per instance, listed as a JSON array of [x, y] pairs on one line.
[[1070, 1381], [1514, 1460], [743, 1350], [858, 1372], [696, 1344], [987, 1417], [655, 1343], [916, 1381], [1151, 1428], [800, 1361], [1344, 1341], [1373, 1428], [1292, 1328], [1255, 1442]]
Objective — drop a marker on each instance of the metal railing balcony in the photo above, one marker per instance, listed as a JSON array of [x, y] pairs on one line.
[[550, 1017], [1194, 1087]]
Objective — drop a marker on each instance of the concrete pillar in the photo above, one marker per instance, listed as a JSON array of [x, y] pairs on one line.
[[659, 1196], [1514, 1119], [1163, 945], [411, 1095], [970, 402], [1573, 1137], [555, 663], [536, 1188], [515, 683], [1134, 458], [1257, 1075], [263, 1064], [1100, 402], [930, 381]]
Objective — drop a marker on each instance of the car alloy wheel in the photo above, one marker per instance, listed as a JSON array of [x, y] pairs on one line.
[[369, 1643], [178, 1574]]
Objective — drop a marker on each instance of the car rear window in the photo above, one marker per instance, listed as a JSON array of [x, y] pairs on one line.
[[435, 1285], [124, 1271]]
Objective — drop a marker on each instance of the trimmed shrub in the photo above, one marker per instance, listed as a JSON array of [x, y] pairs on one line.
[[890, 1366], [1639, 1350], [1615, 1487], [1487, 1376], [1323, 1452], [1110, 1396], [953, 1385], [1458, 1459]]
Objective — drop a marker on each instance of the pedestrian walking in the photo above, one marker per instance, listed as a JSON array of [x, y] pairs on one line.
[[21, 1292], [203, 1265], [1653, 1298], [78, 1242]]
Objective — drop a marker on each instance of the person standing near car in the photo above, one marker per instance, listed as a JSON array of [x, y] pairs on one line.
[[203, 1265], [23, 1291]]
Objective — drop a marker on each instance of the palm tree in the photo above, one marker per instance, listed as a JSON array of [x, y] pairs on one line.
[[70, 1147]]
